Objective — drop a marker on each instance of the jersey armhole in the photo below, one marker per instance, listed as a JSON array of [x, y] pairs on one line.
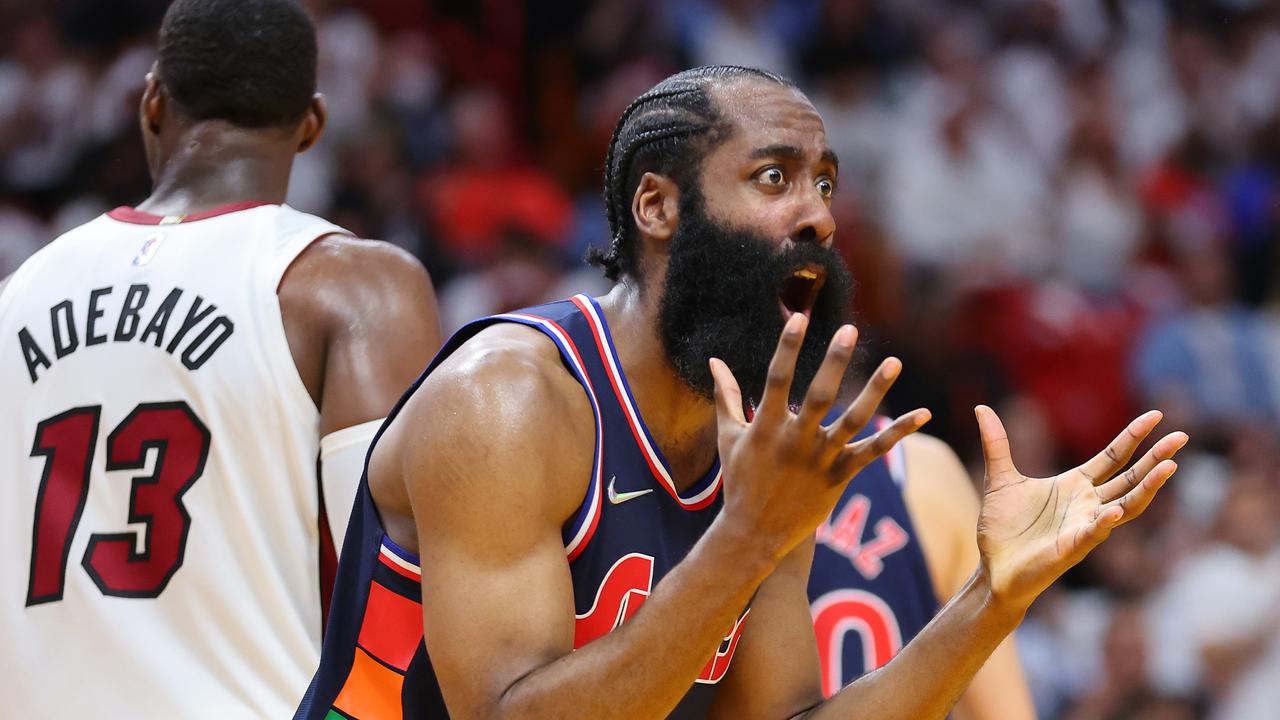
[[290, 250], [581, 526]]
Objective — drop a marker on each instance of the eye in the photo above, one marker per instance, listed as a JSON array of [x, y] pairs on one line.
[[772, 175], [826, 186]]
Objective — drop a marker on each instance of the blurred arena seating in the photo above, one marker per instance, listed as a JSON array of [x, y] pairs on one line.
[[1069, 209]]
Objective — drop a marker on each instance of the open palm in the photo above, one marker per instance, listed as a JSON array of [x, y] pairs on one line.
[[1031, 530]]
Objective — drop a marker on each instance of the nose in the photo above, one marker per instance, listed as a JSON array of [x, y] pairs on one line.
[[814, 224]]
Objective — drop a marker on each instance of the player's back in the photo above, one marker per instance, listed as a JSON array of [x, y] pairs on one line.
[[160, 536]]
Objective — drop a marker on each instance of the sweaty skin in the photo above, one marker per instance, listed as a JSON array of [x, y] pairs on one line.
[[944, 510], [501, 425], [360, 316]]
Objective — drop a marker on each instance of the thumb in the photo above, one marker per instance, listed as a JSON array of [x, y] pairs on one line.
[[995, 448]]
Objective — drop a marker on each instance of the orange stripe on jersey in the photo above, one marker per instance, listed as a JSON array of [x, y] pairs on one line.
[[371, 691], [392, 627]]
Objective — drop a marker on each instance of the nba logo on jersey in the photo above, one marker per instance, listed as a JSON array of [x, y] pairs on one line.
[[148, 250], [160, 523]]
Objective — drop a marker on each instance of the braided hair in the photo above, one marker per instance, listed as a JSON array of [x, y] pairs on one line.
[[667, 130]]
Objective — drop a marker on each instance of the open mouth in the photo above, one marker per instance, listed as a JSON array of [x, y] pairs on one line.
[[799, 289]]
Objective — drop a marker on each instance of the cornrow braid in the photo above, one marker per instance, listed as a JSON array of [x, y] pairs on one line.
[[667, 130]]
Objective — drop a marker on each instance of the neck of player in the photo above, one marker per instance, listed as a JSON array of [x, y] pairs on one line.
[[213, 164], [681, 421]]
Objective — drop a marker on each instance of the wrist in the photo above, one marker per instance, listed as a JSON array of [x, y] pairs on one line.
[[1000, 610], [743, 545]]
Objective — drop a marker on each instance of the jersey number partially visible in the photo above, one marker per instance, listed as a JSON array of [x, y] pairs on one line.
[[841, 612], [113, 560], [624, 589]]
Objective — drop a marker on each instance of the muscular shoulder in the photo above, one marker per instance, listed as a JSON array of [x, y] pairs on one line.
[[343, 277], [358, 314], [508, 379], [500, 419], [943, 505]]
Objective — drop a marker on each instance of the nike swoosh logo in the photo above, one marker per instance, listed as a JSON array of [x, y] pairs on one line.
[[618, 498]]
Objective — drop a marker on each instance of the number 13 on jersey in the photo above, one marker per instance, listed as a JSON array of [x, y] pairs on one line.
[[117, 562]]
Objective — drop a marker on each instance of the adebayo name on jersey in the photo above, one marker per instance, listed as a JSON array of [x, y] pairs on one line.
[[194, 335]]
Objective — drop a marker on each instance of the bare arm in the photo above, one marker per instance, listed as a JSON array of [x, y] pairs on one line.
[[1030, 530], [361, 321], [944, 510], [775, 673], [497, 594]]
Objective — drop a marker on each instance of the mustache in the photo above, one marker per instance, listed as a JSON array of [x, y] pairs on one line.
[[724, 298]]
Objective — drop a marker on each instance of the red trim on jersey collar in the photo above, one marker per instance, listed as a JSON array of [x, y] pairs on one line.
[[657, 464], [138, 217]]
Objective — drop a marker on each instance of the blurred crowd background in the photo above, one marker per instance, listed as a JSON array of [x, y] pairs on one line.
[[1067, 209]]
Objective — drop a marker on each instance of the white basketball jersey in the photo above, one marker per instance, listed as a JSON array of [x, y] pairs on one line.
[[158, 519]]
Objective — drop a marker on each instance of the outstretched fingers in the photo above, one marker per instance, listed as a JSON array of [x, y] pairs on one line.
[[1164, 449], [826, 383], [859, 412], [1114, 456], [1135, 502], [777, 386], [1120, 511], [856, 456]]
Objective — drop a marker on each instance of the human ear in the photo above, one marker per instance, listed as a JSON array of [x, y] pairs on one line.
[[312, 126], [655, 207], [152, 106]]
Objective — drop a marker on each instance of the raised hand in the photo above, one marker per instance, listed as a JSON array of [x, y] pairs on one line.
[[784, 470], [1031, 530]]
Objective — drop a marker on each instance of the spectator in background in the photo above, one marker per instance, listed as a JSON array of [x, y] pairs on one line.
[[1252, 191], [42, 122], [22, 236], [754, 33], [1027, 79], [1206, 365], [1099, 220], [485, 191], [1034, 193], [1217, 622], [962, 191], [1125, 691]]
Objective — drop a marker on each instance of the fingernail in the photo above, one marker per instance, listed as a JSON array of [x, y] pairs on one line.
[[844, 336], [796, 323], [892, 366]]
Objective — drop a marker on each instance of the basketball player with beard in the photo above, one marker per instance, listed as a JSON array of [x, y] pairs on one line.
[[607, 508]]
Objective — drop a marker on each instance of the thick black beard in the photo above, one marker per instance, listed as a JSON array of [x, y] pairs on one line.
[[721, 300]]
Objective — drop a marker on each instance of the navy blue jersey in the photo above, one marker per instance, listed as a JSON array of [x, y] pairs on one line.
[[869, 589], [630, 530]]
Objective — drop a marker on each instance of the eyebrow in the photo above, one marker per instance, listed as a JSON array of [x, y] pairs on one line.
[[793, 153]]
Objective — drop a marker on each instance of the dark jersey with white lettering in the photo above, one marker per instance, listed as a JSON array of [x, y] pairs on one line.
[[869, 588], [630, 530]]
